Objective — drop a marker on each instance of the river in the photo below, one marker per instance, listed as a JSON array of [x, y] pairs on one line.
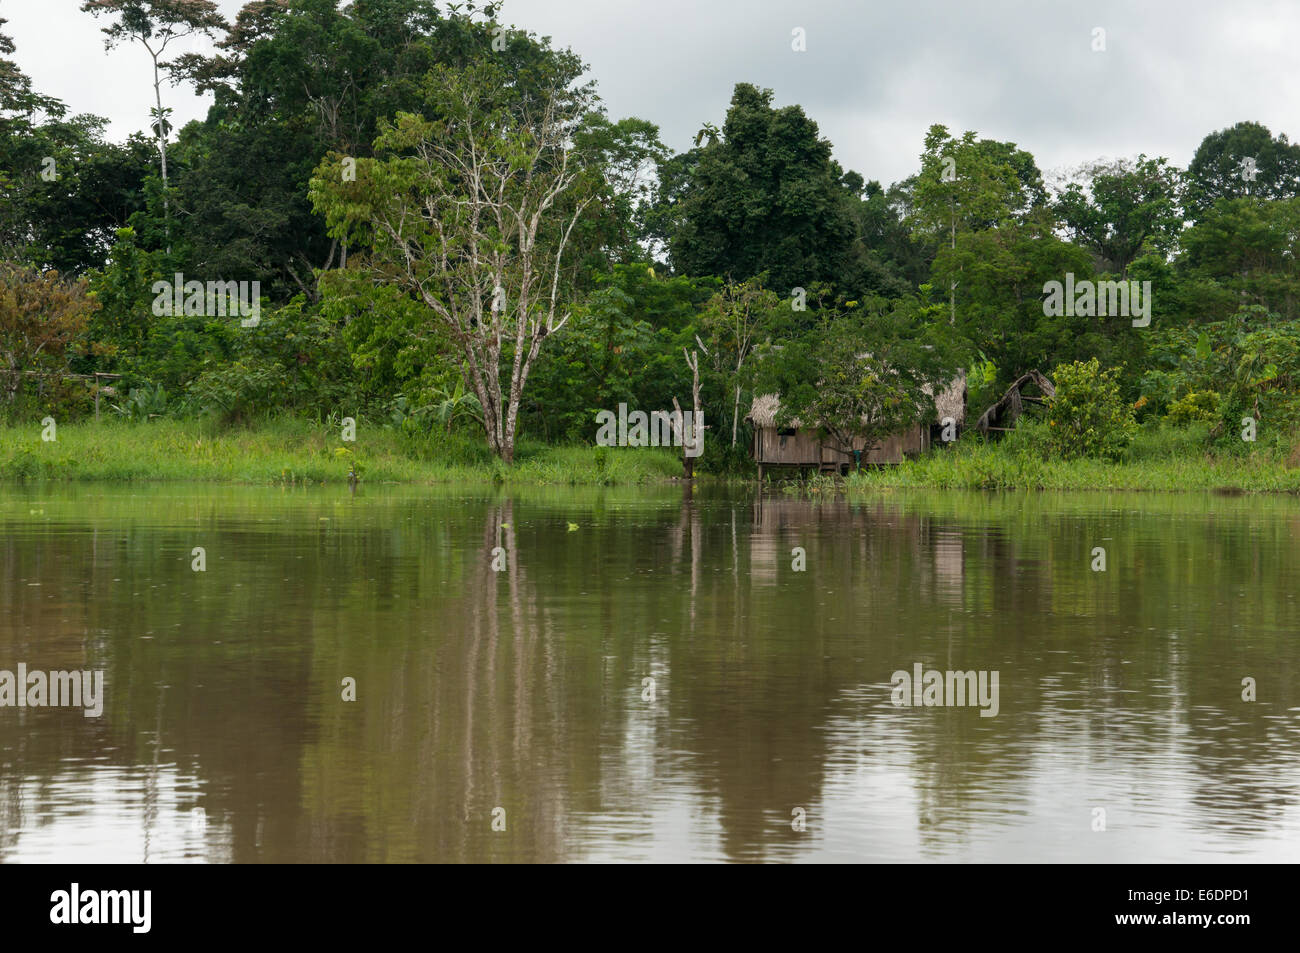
[[549, 675]]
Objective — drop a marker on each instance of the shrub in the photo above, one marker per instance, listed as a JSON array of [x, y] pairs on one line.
[[1030, 437], [1165, 441], [40, 313], [1088, 417], [1198, 405], [238, 392]]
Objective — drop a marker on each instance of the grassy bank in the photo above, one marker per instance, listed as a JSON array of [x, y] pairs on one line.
[[290, 452], [1160, 458], [293, 452]]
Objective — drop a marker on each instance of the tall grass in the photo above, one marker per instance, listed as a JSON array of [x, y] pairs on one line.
[[1160, 458], [289, 451]]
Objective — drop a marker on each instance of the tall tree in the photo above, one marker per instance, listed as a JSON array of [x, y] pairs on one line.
[[1242, 161], [472, 212], [155, 25], [886, 260], [1123, 207], [64, 189], [965, 185], [20, 114], [765, 196], [1251, 247], [294, 81], [736, 320], [1000, 310], [94, 187]]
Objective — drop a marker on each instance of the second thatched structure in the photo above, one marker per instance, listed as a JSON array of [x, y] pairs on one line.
[[1002, 416]]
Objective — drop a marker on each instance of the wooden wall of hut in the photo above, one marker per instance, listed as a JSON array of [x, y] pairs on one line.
[[782, 448], [801, 448]]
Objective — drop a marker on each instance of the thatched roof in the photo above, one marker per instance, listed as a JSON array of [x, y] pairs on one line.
[[951, 402], [762, 413], [1003, 414]]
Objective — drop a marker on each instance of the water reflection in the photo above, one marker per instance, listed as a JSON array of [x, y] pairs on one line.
[[501, 647], [104, 813]]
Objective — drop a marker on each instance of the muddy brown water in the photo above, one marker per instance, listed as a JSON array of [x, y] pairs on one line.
[[505, 714]]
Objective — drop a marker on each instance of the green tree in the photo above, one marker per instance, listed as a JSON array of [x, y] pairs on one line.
[[736, 319], [1122, 208], [472, 213], [764, 197], [292, 82], [886, 260], [1245, 364], [628, 151], [966, 185], [393, 349], [297, 81], [69, 219], [1001, 309], [155, 24], [623, 344], [1251, 248], [123, 290], [1245, 160]]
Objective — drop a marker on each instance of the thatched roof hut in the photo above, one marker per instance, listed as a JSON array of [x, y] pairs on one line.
[[951, 402], [796, 444]]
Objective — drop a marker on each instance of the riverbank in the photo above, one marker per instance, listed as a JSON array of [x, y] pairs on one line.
[[1158, 460], [291, 452]]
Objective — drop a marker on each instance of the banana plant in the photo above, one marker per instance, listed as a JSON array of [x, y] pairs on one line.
[[457, 402], [143, 403]]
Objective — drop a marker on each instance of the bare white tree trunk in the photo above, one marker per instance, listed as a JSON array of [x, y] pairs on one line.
[[677, 421], [483, 247], [162, 136]]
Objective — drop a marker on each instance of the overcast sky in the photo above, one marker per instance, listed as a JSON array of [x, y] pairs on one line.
[[874, 76]]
